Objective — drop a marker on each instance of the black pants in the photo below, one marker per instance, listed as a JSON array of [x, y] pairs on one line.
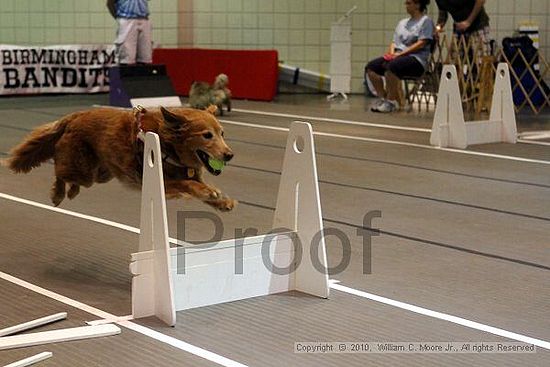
[[402, 67]]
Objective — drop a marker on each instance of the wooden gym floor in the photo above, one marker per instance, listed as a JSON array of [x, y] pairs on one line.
[[462, 233]]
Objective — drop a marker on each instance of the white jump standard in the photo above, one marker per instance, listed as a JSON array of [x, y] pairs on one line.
[[160, 289], [449, 128]]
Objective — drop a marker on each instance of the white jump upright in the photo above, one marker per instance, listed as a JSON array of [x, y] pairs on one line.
[[152, 289], [291, 257], [299, 209], [449, 128]]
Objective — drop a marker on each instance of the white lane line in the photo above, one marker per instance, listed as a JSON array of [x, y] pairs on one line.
[[91, 218], [71, 213], [338, 121], [249, 124], [58, 297], [544, 134], [200, 352], [353, 137], [203, 353], [393, 142], [110, 321], [324, 119], [333, 284], [180, 344], [525, 141], [442, 316], [534, 135]]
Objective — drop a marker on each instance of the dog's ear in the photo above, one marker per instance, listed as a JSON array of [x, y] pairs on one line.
[[212, 109], [171, 119]]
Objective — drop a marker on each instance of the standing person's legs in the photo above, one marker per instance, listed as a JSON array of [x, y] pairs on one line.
[[481, 40], [144, 42], [485, 39], [126, 41]]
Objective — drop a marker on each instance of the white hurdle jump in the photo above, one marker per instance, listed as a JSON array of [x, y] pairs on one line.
[[160, 289], [449, 128]]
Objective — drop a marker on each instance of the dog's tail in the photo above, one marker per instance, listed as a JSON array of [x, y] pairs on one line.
[[38, 147]]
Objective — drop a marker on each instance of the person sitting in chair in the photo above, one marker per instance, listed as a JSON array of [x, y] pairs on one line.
[[407, 56]]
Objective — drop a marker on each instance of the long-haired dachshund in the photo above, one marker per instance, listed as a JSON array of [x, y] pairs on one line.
[[96, 145]]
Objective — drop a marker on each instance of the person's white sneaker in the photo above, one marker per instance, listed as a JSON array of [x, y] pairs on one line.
[[388, 106], [375, 105]]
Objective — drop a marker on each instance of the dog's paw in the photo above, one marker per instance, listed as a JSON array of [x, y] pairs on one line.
[[74, 190], [225, 204], [209, 193], [57, 192]]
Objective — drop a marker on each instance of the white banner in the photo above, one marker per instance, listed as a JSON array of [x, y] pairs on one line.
[[55, 69]]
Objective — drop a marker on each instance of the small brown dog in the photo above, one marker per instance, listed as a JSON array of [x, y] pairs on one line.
[[202, 94], [96, 145]]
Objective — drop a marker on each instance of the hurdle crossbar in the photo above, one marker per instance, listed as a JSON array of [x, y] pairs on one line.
[[163, 284], [449, 128]]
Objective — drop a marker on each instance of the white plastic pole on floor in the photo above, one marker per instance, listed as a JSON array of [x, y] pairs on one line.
[[31, 360], [153, 286], [56, 336], [32, 324]]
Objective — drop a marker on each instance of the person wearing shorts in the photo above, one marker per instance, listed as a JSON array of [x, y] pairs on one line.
[[470, 19], [133, 41], [407, 56]]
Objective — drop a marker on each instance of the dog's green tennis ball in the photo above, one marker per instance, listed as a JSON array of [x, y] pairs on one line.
[[216, 163]]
